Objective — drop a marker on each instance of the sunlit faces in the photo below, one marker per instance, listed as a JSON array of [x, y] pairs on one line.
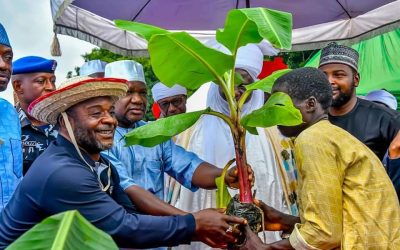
[[6, 57], [240, 89], [132, 107], [343, 79], [31, 86], [93, 122], [173, 105]]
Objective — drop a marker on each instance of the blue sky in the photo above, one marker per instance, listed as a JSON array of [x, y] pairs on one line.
[[30, 29]]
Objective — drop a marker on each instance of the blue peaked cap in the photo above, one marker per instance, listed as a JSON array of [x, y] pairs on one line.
[[33, 64], [3, 37]]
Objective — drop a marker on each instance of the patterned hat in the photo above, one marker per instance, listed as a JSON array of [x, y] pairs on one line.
[[47, 108], [3, 37], [334, 53]]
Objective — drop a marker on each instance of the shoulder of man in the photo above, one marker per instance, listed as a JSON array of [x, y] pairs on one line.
[[375, 108]]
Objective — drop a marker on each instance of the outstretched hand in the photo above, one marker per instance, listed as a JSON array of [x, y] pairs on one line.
[[252, 242], [275, 220], [214, 228], [232, 177], [394, 147]]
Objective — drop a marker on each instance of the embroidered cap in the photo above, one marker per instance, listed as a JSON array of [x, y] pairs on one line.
[[334, 53], [33, 64], [3, 37]]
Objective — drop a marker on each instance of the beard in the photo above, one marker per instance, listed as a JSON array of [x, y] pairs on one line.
[[343, 98], [88, 141]]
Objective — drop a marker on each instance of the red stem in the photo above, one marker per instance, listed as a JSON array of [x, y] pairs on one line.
[[245, 195]]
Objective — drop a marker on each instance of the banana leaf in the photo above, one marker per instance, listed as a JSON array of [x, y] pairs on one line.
[[278, 110], [251, 25], [162, 130], [144, 30], [64, 231], [223, 196], [267, 83]]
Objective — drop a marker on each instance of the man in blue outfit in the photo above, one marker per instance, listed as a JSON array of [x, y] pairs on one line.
[[145, 166], [32, 77], [10, 129], [71, 174]]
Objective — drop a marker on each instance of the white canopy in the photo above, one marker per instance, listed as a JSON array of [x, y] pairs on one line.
[[315, 22]]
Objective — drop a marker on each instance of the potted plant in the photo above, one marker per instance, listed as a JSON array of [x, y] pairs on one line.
[[202, 65]]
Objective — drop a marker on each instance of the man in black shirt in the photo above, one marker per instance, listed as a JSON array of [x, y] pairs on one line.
[[369, 122], [32, 77], [372, 124]]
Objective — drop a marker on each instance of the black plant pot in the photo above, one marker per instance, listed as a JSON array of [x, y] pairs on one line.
[[248, 211]]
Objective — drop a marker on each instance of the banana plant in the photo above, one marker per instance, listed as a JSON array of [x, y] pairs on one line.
[[177, 57], [64, 231]]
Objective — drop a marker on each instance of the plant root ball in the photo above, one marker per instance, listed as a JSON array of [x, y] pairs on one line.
[[248, 211]]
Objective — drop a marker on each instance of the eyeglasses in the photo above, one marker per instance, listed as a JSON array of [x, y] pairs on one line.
[[176, 102]]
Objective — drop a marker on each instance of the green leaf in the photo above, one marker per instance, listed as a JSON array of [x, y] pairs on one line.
[[144, 30], [279, 110], [180, 58], [252, 130], [223, 196], [267, 83], [238, 79], [251, 25], [239, 30], [64, 231], [154, 133]]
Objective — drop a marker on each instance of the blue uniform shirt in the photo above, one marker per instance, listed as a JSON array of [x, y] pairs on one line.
[[35, 139], [145, 166], [59, 180], [10, 152]]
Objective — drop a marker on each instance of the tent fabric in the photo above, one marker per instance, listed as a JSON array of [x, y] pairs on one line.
[[379, 63], [315, 22]]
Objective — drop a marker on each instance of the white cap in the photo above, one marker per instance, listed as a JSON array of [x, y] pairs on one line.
[[91, 67], [249, 57], [161, 91], [126, 69], [382, 96]]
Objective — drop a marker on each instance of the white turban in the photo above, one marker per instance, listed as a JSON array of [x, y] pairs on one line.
[[382, 96], [160, 91], [91, 67], [125, 69], [249, 57]]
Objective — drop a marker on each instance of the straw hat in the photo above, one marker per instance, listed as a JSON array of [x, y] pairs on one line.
[[47, 108]]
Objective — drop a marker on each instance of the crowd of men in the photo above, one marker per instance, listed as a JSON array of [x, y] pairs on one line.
[[327, 183]]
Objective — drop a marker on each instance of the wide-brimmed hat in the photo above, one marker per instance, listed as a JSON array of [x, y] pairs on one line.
[[47, 108]]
